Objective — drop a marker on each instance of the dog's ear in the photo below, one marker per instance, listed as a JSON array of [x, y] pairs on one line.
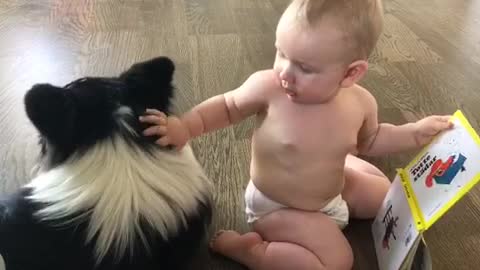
[[149, 84], [52, 111]]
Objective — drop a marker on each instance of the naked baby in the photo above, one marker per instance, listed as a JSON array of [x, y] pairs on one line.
[[313, 119]]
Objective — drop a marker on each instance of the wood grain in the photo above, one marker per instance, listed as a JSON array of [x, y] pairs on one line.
[[426, 62]]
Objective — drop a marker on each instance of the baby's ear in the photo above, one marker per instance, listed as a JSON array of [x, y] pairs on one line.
[[51, 111], [150, 83], [355, 72]]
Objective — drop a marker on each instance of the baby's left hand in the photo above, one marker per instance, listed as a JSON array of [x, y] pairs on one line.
[[427, 128]]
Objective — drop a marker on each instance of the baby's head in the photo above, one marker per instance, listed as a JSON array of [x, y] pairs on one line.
[[323, 45]]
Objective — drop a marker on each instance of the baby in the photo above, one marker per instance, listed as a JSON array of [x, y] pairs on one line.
[[312, 120]]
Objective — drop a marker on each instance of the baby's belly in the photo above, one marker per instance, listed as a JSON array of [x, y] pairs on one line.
[[308, 186]]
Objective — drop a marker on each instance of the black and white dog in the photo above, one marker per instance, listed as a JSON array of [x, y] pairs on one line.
[[106, 197]]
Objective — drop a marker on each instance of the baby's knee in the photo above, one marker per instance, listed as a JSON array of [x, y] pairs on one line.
[[384, 185]]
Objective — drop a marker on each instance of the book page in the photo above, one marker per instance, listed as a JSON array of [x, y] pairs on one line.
[[419, 257], [449, 164], [393, 229], [412, 254]]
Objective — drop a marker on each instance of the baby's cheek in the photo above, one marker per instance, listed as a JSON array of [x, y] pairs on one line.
[[277, 75], [277, 65], [277, 69], [307, 83]]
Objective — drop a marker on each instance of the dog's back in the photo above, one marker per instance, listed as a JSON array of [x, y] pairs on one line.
[[30, 244]]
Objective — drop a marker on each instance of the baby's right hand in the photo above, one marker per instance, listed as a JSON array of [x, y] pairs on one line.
[[171, 130]]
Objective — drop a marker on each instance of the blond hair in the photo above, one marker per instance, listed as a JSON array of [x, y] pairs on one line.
[[360, 20]]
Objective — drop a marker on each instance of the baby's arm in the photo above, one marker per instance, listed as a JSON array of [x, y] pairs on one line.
[[379, 139], [214, 113], [229, 108]]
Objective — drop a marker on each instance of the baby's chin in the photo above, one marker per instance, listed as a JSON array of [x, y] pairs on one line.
[[309, 100]]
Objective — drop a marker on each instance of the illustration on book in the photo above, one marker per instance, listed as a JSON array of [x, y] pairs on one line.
[[390, 222], [444, 172], [393, 229]]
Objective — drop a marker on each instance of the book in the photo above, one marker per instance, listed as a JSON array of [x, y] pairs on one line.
[[422, 192]]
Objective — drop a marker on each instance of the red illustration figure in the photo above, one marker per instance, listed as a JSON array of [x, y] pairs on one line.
[[444, 172]]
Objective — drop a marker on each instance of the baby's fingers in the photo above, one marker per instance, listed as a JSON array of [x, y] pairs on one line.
[[153, 119], [164, 141], [156, 112], [155, 130], [442, 123], [446, 121]]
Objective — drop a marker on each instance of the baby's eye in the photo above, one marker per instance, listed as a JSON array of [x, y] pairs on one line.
[[305, 69]]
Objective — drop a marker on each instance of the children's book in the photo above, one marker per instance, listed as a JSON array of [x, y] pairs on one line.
[[422, 192]]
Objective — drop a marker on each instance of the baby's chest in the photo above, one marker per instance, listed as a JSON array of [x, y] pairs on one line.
[[308, 131]]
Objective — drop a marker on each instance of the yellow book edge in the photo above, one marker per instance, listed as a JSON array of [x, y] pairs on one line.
[[417, 215], [412, 200]]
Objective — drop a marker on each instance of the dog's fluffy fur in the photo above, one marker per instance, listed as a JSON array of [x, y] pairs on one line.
[[105, 197]]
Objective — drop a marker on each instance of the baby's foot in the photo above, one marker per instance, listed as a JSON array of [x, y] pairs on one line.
[[241, 248]]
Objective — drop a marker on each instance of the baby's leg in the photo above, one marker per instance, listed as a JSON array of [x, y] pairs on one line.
[[255, 253], [365, 187], [288, 239]]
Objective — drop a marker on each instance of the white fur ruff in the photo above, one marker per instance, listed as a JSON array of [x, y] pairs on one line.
[[121, 183], [2, 263]]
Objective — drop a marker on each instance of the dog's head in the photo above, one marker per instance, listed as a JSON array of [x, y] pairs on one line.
[[75, 117]]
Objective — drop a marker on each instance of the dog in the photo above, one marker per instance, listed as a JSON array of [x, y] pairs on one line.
[[105, 196]]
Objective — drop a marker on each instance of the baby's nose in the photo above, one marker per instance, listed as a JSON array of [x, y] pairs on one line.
[[287, 76]]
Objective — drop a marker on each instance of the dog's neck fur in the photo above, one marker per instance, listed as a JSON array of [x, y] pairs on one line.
[[118, 184]]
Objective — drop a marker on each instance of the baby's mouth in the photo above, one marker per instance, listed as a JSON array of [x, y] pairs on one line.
[[289, 92]]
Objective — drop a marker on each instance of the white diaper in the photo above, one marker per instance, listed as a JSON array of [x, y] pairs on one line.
[[258, 205]]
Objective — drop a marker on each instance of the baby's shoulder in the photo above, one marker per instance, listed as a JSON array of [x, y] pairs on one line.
[[364, 97], [262, 83], [265, 78]]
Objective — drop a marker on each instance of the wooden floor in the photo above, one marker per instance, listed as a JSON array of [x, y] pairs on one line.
[[427, 62]]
